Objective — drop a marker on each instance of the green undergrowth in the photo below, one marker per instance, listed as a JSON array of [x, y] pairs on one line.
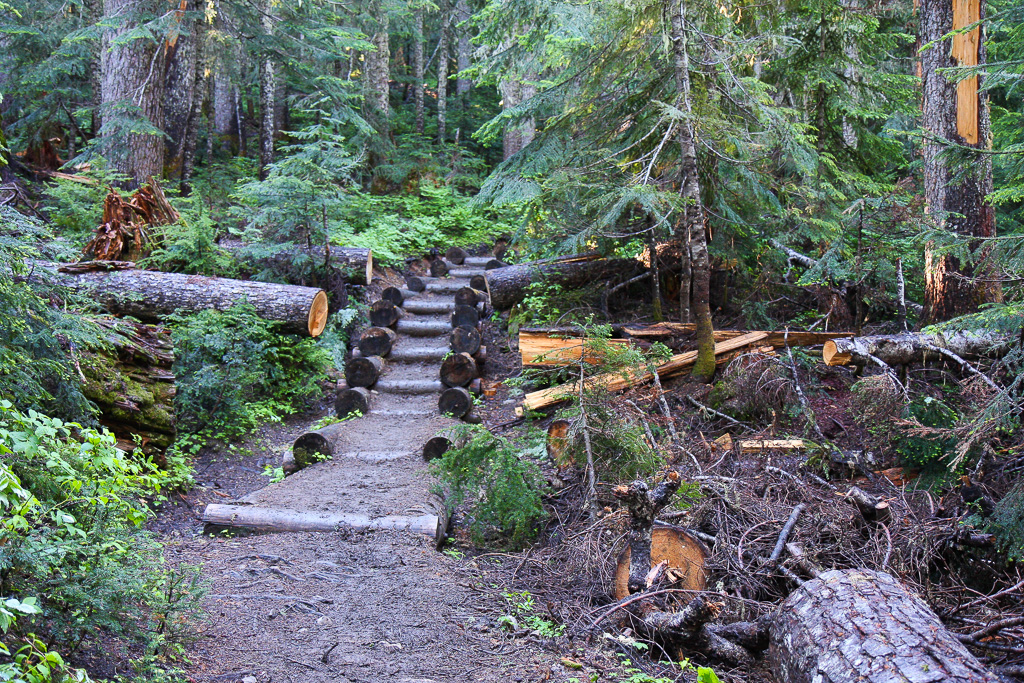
[[76, 563], [500, 481]]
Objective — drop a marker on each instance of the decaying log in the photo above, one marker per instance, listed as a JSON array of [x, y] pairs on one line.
[[464, 339], [383, 313], [312, 446], [377, 341], [363, 371], [465, 316], [507, 285], [279, 520], [617, 381], [458, 370], [131, 382], [126, 231], [150, 295], [455, 401], [861, 626], [910, 347], [351, 401], [456, 255], [435, 448], [355, 263], [438, 268]]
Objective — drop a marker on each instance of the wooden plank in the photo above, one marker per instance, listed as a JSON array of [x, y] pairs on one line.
[[539, 349], [617, 381]]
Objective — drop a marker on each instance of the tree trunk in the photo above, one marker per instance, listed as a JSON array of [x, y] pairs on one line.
[[378, 71], [200, 92], [909, 347], [442, 71], [133, 386], [507, 285], [957, 113], [268, 90], [151, 295], [861, 626], [418, 66], [133, 88], [691, 225], [462, 48], [182, 54]]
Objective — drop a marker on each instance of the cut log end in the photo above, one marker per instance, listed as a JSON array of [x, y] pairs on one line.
[[384, 313], [465, 316], [352, 401], [685, 555], [435, 448], [309, 448], [830, 354], [456, 255], [363, 372], [415, 283], [438, 268], [464, 339], [478, 282], [455, 401], [376, 341], [458, 370]]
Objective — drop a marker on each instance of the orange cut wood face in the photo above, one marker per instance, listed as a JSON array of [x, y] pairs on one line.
[[965, 52], [686, 557], [558, 443]]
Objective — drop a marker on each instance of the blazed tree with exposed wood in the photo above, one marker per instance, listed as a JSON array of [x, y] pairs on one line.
[[956, 118]]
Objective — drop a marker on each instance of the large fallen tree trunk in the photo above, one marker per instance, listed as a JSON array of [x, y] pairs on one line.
[[617, 381], [861, 626], [131, 382], [355, 263], [507, 286], [910, 347], [151, 295]]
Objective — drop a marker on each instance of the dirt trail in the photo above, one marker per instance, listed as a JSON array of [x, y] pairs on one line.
[[350, 606]]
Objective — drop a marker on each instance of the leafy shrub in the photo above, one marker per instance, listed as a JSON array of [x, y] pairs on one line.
[[233, 370], [503, 490], [72, 537], [190, 244], [75, 207]]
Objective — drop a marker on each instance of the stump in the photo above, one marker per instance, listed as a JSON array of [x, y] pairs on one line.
[[384, 313], [862, 626], [363, 372], [684, 554], [455, 401], [559, 443], [352, 401], [377, 341]]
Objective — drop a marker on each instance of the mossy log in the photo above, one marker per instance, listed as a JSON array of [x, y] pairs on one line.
[[131, 382]]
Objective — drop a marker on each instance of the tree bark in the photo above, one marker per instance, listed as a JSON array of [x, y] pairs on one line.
[[151, 295], [133, 87], [507, 285], [691, 225], [268, 90], [378, 70], [442, 71], [910, 347], [857, 625], [462, 48], [182, 55], [275, 519], [958, 114], [418, 72], [200, 92]]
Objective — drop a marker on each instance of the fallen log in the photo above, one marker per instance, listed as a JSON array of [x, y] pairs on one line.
[[280, 519], [464, 339], [311, 447], [435, 448], [355, 263], [758, 445], [465, 316], [539, 349], [458, 370], [131, 382], [456, 255], [507, 285], [377, 341], [861, 626], [384, 313], [617, 381], [363, 371], [150, 295], [355, 400], [911, 347]]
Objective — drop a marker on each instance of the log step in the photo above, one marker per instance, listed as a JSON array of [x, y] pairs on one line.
[[418, 355], [424, 328], [422, 306], [448, 286], [283, 519], [409, 386], [477, 261], [374, 456], [460, 271], [403, 413]]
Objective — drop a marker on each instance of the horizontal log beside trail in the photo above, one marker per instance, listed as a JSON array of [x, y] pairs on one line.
[[455, 401], [910, 347], [151, 295], [617, 381], [281, 519], [507, 285], [861, 626], [355, 262], [438, 268], [456, 255]]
